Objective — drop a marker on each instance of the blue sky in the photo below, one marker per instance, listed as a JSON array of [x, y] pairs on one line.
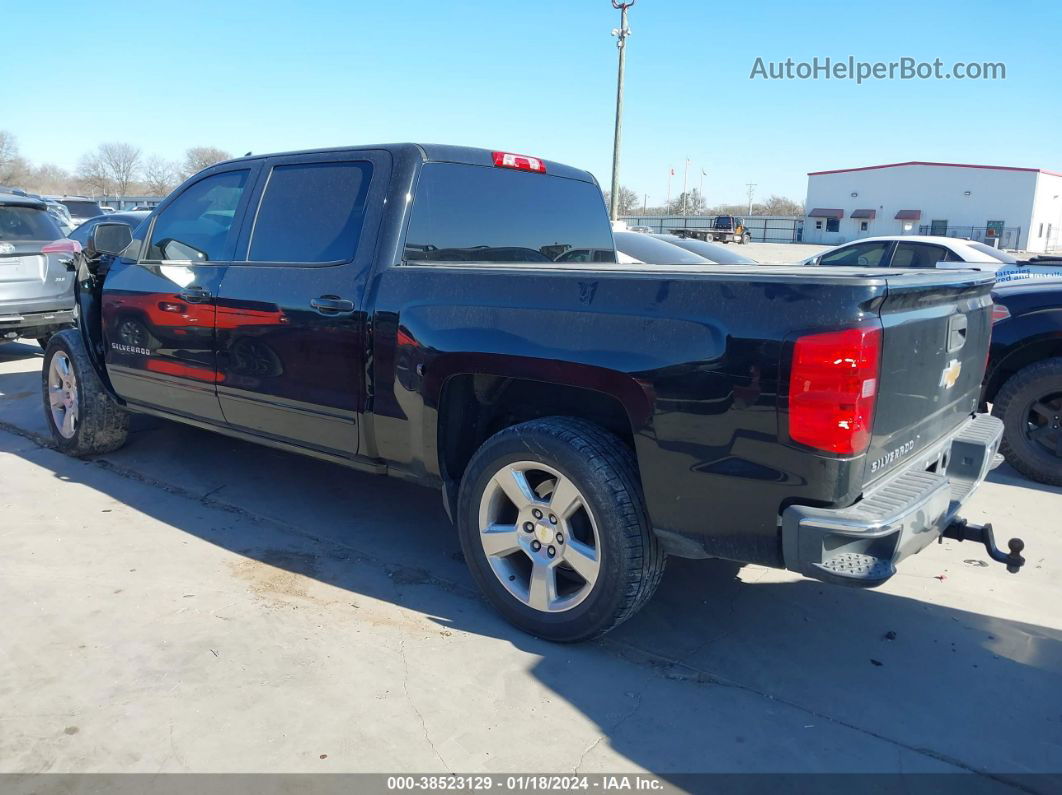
[[537, 78]]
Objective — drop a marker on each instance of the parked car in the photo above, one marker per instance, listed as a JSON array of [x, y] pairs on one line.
[[712, 252], [60, 214], [131, 218], [910, 251], [55, 209], [81, 208], [639, 248], [582, 422], [36, 271], [1024, 377]]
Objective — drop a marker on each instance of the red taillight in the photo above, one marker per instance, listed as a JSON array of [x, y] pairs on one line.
[[999, 312], [833, 387], [63, 246], [519, 162]]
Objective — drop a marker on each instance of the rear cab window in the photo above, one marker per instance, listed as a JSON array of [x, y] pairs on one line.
[[479, 214]]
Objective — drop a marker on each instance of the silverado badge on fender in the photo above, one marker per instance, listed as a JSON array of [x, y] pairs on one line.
[[950, 374]]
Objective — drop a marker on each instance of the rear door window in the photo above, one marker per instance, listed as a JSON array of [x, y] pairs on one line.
[[918, 255], [311, 213], [464, 213], [198, 226]]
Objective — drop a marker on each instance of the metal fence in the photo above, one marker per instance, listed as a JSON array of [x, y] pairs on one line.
[[762, 228], [1007, 236]]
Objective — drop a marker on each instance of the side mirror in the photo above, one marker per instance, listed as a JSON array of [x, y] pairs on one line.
[[110, 239], [815, 260]]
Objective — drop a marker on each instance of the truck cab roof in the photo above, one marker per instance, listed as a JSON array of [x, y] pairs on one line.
[[436, 153]]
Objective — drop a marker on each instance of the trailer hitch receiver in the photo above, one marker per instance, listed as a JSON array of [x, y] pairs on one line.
[[961, 530]]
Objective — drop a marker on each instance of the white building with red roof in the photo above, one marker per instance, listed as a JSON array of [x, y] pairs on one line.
[[1014, 208]]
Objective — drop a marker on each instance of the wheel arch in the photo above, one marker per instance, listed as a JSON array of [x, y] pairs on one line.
[[474, 404], [1044, 345]]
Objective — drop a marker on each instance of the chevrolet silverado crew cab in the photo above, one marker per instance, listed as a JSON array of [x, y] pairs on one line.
[[406, 310]]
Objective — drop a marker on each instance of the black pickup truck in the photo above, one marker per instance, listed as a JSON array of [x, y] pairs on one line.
[[406, 310]]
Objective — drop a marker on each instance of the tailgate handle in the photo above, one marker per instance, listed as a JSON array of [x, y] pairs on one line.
[[956, 332]]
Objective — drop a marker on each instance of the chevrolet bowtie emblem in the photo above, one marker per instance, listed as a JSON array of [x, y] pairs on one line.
[[950, 374]]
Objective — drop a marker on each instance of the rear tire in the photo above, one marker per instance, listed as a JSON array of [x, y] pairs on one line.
[[1030, 405], [81, 415], [605, 560]]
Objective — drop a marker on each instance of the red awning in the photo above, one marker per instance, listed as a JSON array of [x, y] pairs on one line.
[[864, 214], [908, 215], [819, 212]]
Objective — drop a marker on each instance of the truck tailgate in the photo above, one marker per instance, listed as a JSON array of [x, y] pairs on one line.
[[936, 329]]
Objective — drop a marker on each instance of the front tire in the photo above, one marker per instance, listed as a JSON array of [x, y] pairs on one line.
[[1030, 405], [554, 528], [81, 415]]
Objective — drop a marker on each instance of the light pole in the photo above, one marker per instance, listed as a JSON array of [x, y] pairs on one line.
[[685, 177], [752, 187], [621, 33]]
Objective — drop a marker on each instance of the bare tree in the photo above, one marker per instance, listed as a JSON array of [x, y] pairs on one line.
[[92, 175], [692, 203], [628, 201], [49, 178], [781, 205], [122, 162], [160, 175], [110, 169], [199, 157], [13, 167]]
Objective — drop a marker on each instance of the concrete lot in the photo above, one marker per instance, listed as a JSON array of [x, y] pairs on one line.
[[193, 603], [778, 253]]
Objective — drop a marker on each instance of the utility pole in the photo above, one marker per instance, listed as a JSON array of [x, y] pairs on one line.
[[667, 204], [752, 187], [621, 33], [645, 202]]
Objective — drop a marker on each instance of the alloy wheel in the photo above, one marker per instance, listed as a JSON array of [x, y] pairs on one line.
[[539, 536], [1043, 424], [62, 394]]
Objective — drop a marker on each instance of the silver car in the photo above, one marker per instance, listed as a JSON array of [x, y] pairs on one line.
[[36, 271]]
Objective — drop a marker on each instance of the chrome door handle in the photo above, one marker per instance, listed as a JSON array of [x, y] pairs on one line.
[[195, 295], [331, 304]]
